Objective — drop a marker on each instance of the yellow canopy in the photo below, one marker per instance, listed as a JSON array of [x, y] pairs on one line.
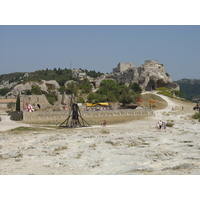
[[103, 104], [95, 104], [90, 104]]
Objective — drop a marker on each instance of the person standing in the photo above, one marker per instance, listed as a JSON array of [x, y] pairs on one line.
[[160, 124], [164, 125]]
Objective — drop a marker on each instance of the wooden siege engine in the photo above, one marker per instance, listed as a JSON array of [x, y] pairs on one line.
[[74, 119]]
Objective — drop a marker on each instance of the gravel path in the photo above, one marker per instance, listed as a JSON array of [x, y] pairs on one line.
[[7, 124]]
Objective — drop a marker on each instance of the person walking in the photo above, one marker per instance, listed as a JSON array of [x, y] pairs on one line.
[[104, 123], [160, 124]]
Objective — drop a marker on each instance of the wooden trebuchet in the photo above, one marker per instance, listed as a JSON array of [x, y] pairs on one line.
[[74, 119]]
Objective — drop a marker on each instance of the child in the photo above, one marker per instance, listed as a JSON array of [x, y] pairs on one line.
[[164, 125]]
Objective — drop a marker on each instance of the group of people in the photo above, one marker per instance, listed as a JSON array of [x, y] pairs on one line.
[[97, 108], [161, 125]]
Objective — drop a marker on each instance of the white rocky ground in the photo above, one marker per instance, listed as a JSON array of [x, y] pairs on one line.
[[136, 147]]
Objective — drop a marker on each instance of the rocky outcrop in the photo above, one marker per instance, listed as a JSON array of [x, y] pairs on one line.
[[149, 76], [69, 82], [46, 87], [6, 84]]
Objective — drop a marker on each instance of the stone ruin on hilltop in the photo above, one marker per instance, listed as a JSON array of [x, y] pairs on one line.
[[149, 76]]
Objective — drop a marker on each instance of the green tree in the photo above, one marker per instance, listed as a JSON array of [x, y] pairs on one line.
[[71, 88], [91, 97], [62, 89], [111, 97], [96, 98], [106, 86], [109, 89], [135, 87], [85, 86], [28, 92], [80, 100], [51, 98], [4, 91], [18, 103], [35, 89], [126, 98]]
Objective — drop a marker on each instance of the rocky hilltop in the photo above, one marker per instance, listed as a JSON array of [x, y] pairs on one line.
[[45, 86], [149, 76]]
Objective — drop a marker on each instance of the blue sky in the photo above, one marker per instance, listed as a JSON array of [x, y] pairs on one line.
[[100, 47]]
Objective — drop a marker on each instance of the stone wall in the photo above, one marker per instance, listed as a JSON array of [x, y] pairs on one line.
[[53, 116], [34, 100], [123, 67]]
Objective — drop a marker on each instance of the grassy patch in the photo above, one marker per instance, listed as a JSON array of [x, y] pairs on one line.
[[60, 148], [166, 92], [170, 124], [92, 145], [26, 129], [104, 132], [160, 103], [196, 116]]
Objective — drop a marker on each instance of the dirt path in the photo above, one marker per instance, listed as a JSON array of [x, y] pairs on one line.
[[7, 124]]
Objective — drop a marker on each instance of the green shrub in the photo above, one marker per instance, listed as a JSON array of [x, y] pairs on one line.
[[166, 92], [196, 116], [80, 100], [170, 124], [167, 75], [35, 89], [18, 103], [4, 91], [51, 98], [16, 115]]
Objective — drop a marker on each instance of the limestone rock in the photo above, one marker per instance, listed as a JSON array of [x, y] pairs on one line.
[[69, 82], [46, 86], [150, 75], [52, 85], [6, 84]]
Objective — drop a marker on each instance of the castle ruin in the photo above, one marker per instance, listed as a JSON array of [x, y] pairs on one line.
[[123, 67]]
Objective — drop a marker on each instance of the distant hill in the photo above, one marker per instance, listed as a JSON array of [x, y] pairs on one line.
[[8, 81], [190, 88], [59, 75]]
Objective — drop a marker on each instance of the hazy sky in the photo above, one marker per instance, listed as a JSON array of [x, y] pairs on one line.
[[100, 48]]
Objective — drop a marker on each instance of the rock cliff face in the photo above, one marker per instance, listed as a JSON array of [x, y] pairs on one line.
[[46, 86], [149, 76]]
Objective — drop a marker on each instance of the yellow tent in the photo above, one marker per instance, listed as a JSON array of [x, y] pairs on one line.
[[92, 104], [103, 104]]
